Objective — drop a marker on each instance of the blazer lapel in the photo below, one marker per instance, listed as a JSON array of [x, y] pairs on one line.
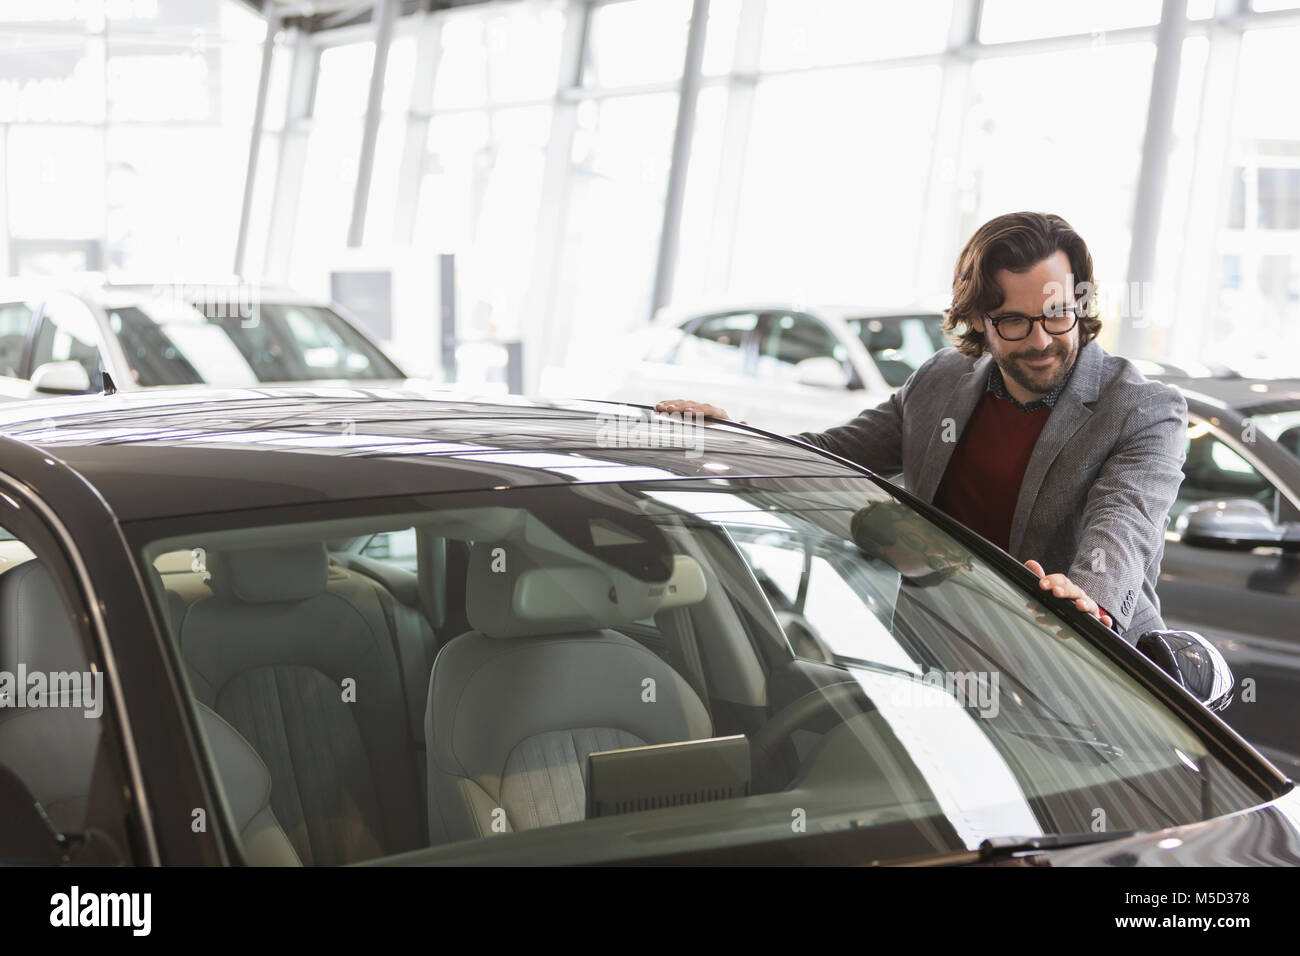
[[959, 406], [1067, 417]]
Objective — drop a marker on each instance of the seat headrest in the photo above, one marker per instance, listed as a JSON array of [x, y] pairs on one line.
[[515, 591], [291, 572], [885, 338], [35, 627]]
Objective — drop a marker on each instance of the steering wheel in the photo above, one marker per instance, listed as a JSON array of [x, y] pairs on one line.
[[803, 712]]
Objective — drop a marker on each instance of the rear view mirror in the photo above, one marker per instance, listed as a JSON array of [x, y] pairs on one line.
[[1234, 524], [61, 378], [1193, 662]]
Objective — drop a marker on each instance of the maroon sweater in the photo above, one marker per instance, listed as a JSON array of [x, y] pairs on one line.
[[983, 478]]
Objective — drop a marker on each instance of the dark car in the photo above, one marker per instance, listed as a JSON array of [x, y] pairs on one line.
[[1231, 568], [346, 625]]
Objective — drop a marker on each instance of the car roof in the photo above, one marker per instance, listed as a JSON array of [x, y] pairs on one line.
[[1243, 395], [187, 450], [839, 310]]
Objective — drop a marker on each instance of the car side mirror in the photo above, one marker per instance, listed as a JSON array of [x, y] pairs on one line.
[[1194, 663], [821, 371], [61, 378], [1234, 524], [26, 835]]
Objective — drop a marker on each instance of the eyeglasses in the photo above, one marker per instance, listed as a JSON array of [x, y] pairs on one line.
[[1012, 327]]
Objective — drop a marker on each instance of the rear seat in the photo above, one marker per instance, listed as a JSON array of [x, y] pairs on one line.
[[270, 651]]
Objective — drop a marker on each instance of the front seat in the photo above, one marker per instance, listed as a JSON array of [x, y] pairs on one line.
[[52, 749], [516, 705]]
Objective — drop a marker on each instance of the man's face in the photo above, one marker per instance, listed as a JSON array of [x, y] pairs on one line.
[[1037, 363]]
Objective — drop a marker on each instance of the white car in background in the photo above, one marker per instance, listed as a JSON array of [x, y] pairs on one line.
[[784, 368], [58, 337]]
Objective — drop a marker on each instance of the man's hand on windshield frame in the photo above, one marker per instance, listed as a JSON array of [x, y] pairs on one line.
[[1063, 587], [679, 405]]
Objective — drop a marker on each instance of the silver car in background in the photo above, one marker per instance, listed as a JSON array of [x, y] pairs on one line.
[[787, 368]]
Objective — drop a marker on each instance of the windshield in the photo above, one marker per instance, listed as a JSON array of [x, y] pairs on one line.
[[899, 344], [276, 343], [834, 659]]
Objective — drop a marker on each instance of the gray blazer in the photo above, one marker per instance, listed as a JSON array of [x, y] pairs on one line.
[[1095, 499]]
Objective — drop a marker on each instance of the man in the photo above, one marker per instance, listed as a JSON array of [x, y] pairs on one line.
[[1027, 431]]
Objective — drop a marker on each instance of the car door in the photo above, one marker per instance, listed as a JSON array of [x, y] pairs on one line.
[[131, 771], [804, 379], [59, 743], [1246, 602]]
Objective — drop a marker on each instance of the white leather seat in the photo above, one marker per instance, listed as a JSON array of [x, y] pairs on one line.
[[516, 705], [52, 750], [270, 652]]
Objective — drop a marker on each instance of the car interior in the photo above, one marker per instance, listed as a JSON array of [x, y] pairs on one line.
[[54, 751], [464, 658]]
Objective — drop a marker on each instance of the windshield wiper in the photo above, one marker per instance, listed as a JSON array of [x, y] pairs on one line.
[[1101, 748], [997, 848]]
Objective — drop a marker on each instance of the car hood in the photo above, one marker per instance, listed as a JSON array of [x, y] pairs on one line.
[[1266, 835]]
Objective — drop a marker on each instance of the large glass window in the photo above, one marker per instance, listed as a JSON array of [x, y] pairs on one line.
[[1003, 20], [802, 33], [125, 124], [619, 172], [830, 195], [637, 41], [1254, 322], [1027, 146]]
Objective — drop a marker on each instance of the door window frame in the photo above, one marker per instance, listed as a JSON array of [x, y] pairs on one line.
[[33, 522]]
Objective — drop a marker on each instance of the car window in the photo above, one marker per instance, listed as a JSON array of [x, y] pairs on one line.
[[53, 699], [718, 342], [15, 320], [899, 345], [68, 332], [154, 357], [1214, 470], [396, 547], [789, 339], [287, 343], [626, 616], [1281, 425]]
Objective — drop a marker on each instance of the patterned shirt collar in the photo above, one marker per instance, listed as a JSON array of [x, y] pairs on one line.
[[998, 387]]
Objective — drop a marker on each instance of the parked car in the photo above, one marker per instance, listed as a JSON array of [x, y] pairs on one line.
[[1231, 568], [58, 338], [343, 625], [791, 368]]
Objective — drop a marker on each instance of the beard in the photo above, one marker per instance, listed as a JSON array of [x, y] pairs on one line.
[[1039, 381]]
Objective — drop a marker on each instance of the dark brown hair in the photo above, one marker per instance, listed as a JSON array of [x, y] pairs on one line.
[[1016, 241]]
